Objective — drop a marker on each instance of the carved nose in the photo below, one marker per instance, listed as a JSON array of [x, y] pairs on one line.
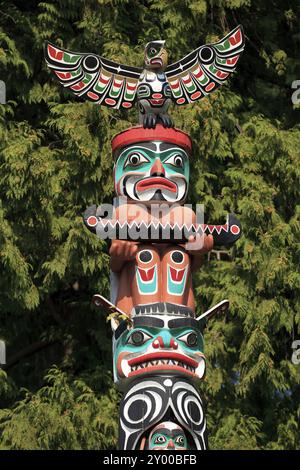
[[161, 343], [158, 343], [157, 168], [170, 444]]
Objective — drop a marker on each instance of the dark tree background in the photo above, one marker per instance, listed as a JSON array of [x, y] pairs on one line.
[[56, 390]]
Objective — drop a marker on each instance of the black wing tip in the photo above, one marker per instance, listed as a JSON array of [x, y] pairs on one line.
[[240, 26], [49, 43], [46, 43]]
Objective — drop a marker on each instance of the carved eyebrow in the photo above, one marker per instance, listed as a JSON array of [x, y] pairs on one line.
[[166, 432], [135, 148], [163, 431], [148, 321], [165, 146], [121, 328], [179, 322], [154, 44]]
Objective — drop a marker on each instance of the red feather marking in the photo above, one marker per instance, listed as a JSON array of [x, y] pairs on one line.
[[236, 38], [63, 75], [54, 53]]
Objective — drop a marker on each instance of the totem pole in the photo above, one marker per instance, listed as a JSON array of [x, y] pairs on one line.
[[156, 241]]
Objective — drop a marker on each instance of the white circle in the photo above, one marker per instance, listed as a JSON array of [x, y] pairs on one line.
[[134, 398], [168, 383], [177, 251], [188, 400], [145, 251]]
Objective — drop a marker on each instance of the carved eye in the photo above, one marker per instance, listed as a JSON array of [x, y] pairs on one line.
[[175, 160], [160, 440], [90, 63], [179, 441], [190, 339], [177, 257], [152, 51], [143, 91], [206, 54], [138, 337], [168, 90], [135, 159], [145, 256]]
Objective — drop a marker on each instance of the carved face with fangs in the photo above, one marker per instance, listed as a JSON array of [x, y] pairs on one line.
[[159, 344]]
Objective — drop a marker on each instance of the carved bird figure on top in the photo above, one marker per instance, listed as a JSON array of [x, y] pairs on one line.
[[153, 87]]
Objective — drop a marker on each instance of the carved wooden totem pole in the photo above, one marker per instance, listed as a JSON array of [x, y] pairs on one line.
[[156, 241]]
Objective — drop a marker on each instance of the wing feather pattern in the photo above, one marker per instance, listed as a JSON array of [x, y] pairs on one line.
[[206, 68], [94, 78]]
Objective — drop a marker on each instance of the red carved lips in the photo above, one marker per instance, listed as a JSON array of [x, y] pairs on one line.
[[156, 61], [159, 361], [157, 102], [156, 182]]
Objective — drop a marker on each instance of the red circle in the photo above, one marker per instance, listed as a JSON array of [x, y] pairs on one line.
[[126, 104], [180, 101], [92, 221], [210, 86], [196, 95], [110, 101], [92, 95], [234, 229]]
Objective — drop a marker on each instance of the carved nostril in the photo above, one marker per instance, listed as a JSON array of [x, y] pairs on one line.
[[173, 344], [171, 445], [155, 344], [157, 168]]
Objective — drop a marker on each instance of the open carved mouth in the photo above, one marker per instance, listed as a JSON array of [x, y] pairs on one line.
[[163, 360], [156, 61], [157, 102], [156, 182]]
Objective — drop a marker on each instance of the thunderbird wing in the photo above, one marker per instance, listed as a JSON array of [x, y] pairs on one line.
[[206, 68], [94, 78]]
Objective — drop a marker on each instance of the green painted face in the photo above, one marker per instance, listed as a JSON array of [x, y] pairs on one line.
[[167, 436], [152, 171], [159, 344]]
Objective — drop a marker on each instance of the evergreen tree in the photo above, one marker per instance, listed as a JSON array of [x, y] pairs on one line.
[[56, 390]]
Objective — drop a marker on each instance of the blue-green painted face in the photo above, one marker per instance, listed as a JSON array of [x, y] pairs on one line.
[[159, 344], [152, 171], [167, 436]]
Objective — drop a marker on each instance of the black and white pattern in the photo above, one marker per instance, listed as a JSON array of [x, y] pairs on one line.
[[149, 401]]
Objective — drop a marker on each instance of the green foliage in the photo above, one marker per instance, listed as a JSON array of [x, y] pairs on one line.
[[64, 414], [55, 160]]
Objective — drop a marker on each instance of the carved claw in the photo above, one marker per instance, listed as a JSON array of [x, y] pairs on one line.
[[166, 120], [149, 121]]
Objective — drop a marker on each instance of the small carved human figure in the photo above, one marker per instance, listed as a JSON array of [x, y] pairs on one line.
[[167, 436]]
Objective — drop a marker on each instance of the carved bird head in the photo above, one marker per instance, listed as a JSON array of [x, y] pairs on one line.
[[156, 56]]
